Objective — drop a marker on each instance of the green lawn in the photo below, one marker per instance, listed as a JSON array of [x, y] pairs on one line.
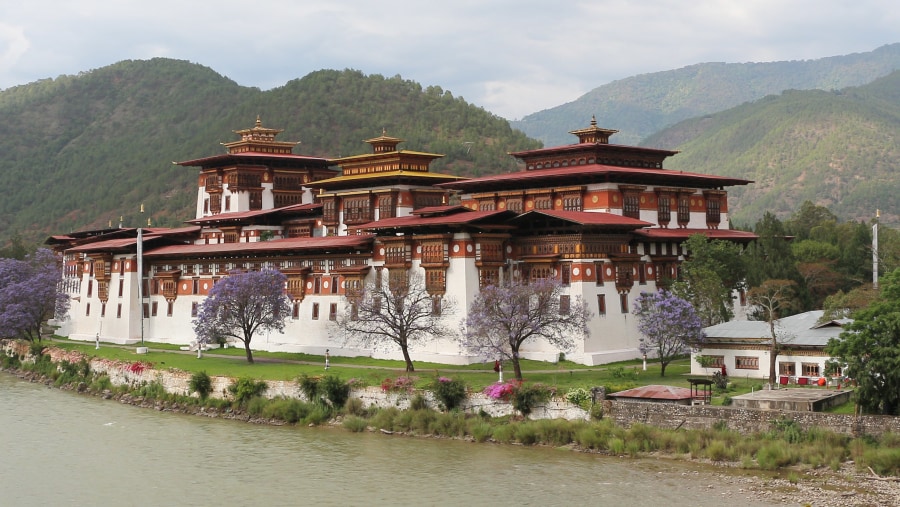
[[565, 375]]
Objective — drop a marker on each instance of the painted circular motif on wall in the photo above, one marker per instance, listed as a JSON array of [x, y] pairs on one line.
[[419, 249], [649, 270], [559, 202], [325, 284], [127, 264], [309, 285], [576, 271], [595, 199], [455, 248], [184, 286], [469, 248], [381, 251], [205, 285], [587, 272], [615, 197], [643, 199], [508, 249], [502, 205], [608, 271]]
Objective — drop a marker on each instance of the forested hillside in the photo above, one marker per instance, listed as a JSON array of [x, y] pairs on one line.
[[641, 105], [81, 151], [837, 149]]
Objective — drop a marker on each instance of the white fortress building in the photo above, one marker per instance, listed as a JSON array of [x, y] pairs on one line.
[[606, 220]]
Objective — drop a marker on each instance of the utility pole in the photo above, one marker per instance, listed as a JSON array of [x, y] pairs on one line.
[[875, 251]]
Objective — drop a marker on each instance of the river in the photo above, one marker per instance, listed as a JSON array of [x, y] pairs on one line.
[[64, 449]]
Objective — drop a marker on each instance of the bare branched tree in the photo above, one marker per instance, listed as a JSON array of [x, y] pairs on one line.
[[771, 301], [398, 311]]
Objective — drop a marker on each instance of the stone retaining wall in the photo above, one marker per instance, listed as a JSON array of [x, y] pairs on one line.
[[624, 413]]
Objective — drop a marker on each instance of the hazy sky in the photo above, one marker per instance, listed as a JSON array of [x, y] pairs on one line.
[[512, 58]]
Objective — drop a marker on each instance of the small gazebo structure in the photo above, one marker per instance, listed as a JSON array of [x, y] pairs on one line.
[[701, 391]]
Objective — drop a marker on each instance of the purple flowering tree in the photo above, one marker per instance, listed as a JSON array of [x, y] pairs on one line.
[[240, 305], [668, 325], [31, 293], [399, 311], [502, 318]]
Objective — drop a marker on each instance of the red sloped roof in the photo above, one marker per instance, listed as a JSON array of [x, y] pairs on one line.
[[593, 171], [655, 392], [278, 245], [460, 218], [243, 215], [224, 157], [589, 218], [683, 234]]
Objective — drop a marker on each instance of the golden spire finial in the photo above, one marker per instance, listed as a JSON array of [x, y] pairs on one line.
[[593, 121], [258, 122]]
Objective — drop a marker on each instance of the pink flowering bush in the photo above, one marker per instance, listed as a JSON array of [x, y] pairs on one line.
[[501, 390], [398, 385], [522, 397]]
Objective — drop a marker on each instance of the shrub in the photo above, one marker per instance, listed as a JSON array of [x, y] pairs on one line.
[[526, 433], [319, 414], [450, 392], [481, 431], [883, 460], [355, 424], [354, 406], [37, 350], [201, 384], [334, 390], [309, 386], [245, 388], [526, 397], [578, 396], [774, 455], [505, 433], [384, 418], [418, 402], [285, 409]]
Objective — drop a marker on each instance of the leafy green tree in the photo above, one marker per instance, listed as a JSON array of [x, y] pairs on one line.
[[870, 348], [708, 278]]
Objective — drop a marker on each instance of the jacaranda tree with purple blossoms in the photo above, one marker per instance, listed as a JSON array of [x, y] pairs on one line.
[[502, 318], [242, 304], [30, 294], [668, 325]]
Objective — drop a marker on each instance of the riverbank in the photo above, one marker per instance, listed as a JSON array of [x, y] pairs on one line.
[[840, 483]]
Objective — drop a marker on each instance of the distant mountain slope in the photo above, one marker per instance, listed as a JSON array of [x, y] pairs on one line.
[[641, 105], [81, 151], [838, 149]]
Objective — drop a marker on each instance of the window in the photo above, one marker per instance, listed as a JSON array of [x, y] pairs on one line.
[[598, 269], [810, 369], [332, 311], [87, 310], [119, 311], [564, 304], [154, 308], [436, 305], [103, 309], [631, 205], [572, 203], [170, 308], [145, 310], [565, 270], [195, 286], [684, 209], [194, 309], [385, 207], [746, 363], [601, 304], [315, 311], [335, 284], [716, 361], [623, 302], [317, 285], [713, 212], [90, 287], [295, 311], [642, 274], [787, 368], [663, 209]]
